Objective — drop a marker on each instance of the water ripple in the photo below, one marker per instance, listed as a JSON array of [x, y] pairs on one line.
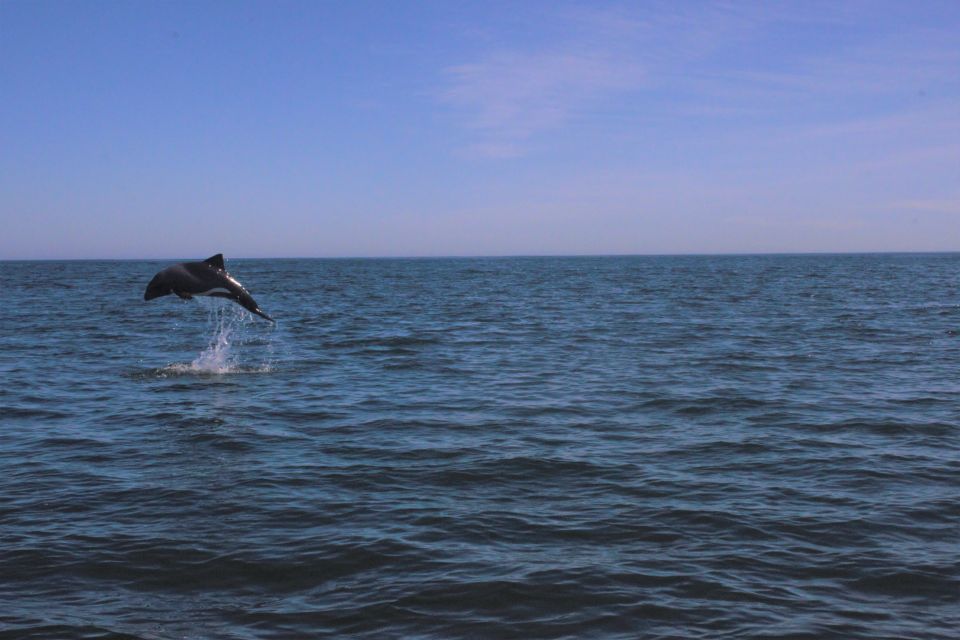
[[686, 447]]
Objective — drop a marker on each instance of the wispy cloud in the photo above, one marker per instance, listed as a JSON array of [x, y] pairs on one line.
[[699, 62], [938, 123], [909, 65], [779, 222], [512, 96], [509, 96], [949, 206]]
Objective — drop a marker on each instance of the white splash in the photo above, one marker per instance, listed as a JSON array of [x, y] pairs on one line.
[[226, 321], [218, 357]]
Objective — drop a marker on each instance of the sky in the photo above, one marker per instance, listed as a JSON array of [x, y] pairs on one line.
[[329, 129]]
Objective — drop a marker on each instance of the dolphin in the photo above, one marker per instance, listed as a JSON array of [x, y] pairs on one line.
[[207, 278]]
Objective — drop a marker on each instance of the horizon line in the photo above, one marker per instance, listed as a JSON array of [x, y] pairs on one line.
[[514, 256]]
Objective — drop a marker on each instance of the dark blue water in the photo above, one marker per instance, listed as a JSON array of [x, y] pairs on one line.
[[678, 447]]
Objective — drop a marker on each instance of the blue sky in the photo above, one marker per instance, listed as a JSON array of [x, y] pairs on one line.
[[261, 129]]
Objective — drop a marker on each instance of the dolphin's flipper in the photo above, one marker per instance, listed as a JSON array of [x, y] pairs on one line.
[[183, 295]]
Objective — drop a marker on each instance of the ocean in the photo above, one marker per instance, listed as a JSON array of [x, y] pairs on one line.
[[588, 447]]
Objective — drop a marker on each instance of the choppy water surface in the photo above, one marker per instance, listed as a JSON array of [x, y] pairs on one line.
[[702, 447]]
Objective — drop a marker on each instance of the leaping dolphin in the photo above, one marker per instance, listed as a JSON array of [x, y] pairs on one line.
[[207, 278]]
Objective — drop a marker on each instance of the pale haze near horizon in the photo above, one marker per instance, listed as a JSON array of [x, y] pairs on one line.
[[272, 129]]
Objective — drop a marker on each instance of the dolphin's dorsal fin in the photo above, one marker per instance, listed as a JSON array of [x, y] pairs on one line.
[[216, 262]]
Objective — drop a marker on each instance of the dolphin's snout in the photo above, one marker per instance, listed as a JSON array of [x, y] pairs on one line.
[[155, 289]]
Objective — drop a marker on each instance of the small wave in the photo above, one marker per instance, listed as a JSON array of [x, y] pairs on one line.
[[884, 426], [188, 370], [44, 631], [381, 342], [927, 582], [207, 368], [33, 412]]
